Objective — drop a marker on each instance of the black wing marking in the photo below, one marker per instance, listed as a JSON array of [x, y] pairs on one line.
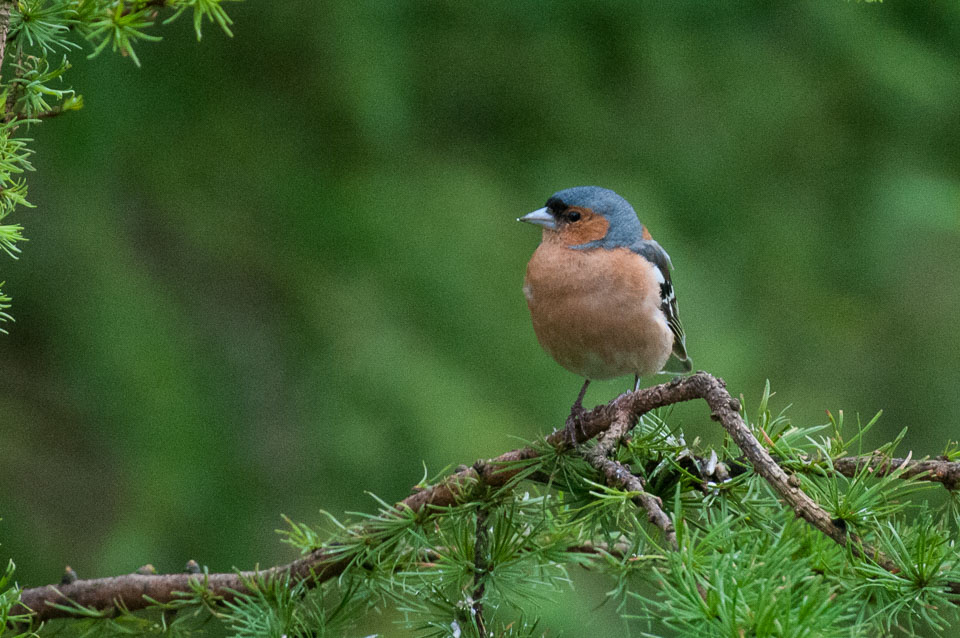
[[668, 303], [655, 254]]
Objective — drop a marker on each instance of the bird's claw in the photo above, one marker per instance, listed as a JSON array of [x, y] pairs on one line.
[[573, 429]]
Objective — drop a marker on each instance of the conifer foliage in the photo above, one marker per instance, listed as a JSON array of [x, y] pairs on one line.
[[37, 40]]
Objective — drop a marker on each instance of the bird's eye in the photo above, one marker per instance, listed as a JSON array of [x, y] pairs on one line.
[[573, 216]]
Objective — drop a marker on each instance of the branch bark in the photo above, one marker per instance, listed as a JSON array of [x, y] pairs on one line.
[[5, 6], [135, 591], [617, 475], [480, 549], [934, 470]]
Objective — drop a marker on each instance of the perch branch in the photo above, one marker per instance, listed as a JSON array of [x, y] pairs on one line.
[[135, 591]]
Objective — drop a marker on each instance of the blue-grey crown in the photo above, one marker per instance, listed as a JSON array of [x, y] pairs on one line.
[[624, 226]]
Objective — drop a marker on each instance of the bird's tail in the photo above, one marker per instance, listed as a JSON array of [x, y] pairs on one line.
[[676, 365]]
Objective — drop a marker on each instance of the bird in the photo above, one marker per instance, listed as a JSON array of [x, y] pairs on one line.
[[599, 292]]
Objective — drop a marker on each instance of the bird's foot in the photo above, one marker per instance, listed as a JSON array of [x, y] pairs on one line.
[[573, 429]]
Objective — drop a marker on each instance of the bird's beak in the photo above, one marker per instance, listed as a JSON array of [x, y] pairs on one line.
[[540, 217]]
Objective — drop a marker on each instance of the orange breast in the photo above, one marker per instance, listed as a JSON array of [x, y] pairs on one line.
[[597, 312]]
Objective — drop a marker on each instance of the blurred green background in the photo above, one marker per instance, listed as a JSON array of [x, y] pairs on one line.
[[267, 274]]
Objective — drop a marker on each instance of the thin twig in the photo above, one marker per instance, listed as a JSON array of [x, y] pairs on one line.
[[42, 115], [480, 569], [617, 475], [5, 6], [934, 470], [940, 470], [146, 4], [617, 550], [14, 87]]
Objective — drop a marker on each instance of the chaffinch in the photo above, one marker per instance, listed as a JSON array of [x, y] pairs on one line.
[[599, 291]]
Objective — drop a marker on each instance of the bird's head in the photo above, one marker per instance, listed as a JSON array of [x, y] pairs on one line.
[[588, 215]]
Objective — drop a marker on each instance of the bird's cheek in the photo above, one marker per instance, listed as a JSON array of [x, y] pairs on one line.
[[591, 227]]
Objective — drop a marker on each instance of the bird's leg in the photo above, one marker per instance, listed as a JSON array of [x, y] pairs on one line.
[[574, 426], [636, 382]]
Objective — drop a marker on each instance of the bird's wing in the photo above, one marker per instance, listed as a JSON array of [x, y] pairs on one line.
[[655, 254]]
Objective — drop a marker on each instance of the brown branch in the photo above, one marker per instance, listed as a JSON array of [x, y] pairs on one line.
[[43, 115], [5, 6], [934, 470], [480, 549], [133, 590], [145, 4], [130, 591], [939, 470], [726, 410], [617, 550], [617, 475]]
